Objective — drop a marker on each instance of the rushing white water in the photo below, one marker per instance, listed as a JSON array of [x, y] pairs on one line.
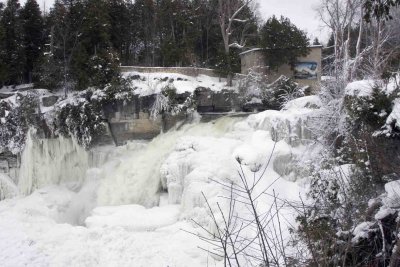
[[134, 176], [51, 162], [105, 176]]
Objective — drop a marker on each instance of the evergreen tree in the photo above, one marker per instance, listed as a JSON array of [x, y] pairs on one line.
[[49, 75], [283, 42], [379, 8], [13, 56], [94, 62], [33, 36], [95, 28], [176, 32], [212, 34], [3, 69], [144, 19], [65, 22], [316, 41], [120, 27], [103, 67]]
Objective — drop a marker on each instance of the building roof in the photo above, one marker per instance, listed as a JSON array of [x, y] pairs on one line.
[[260, 49]]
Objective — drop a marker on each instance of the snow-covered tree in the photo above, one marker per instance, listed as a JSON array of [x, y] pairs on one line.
[[229, 12], [379, 8]]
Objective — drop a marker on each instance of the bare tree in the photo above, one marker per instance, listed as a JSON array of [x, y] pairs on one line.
[[228, 12], [252, 238], [339, 16], [373, 48]]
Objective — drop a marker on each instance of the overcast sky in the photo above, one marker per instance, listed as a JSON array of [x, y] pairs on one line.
[[300, 12]]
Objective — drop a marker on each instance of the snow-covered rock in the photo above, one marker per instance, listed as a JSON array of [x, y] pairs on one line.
[[154, 83]]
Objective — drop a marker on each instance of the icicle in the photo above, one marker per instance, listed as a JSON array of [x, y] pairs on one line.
[[51, 161]]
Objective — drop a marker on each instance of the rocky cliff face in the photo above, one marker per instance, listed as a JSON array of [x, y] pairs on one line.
[[132, 119]]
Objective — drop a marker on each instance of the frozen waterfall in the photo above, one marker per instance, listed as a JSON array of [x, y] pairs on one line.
[[134, 176], [51, 162]]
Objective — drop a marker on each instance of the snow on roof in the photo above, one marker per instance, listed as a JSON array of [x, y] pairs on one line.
[[251, 50], [259, 49]]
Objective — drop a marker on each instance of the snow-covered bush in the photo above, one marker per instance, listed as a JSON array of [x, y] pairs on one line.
[[281, 91], [371, 237], [103, 68], [168, 101], [338, 199], [80, 119], [81, 116], [161, 104], [50, 74], [374, 133], [16, 119], [255, 88], [119, 89], [351, 124], [252, 86], [373, 109]]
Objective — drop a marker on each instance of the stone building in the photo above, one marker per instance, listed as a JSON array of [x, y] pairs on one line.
[[307, 70]]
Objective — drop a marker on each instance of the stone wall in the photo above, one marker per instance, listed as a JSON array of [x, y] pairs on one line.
[[189, 71], [131, 119]]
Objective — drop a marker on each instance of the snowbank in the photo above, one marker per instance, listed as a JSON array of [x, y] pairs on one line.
[[30, 235], [364, 88], [361, 88], [312, 101], [133, 217]]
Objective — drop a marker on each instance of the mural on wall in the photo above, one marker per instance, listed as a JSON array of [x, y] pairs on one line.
[[306, 70]]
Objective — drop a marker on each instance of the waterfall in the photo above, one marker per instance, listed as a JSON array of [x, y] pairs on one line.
[[126, 175], [51, 161], [134, 176]]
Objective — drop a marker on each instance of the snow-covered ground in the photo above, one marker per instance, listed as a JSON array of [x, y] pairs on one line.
[[153, 83], [134, 206]]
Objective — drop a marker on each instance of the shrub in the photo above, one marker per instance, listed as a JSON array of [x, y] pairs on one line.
[[81, 119], [16, 119], [280, 92]]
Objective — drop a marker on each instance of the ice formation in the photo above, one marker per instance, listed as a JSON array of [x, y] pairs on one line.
[[7, 187], [133, 177], [50, 162]]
